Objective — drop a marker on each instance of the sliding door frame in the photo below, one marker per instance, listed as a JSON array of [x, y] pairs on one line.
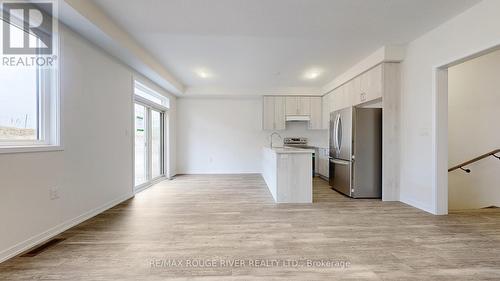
[[151, 106]]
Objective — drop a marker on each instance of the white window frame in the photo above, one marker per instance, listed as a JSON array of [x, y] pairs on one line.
[[48, 111]]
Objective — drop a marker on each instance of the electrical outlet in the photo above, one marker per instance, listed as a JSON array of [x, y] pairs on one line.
[[54, 193]]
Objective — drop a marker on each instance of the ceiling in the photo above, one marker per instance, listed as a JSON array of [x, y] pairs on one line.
[[268, 45]]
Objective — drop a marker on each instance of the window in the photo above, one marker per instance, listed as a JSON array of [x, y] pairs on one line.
[[28, 97], [150, 115], [146, 93]]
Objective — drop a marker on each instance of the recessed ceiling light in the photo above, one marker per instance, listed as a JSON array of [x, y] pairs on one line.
[[312, 74], [203, 73]]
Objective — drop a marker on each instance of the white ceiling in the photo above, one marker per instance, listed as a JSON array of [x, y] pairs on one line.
[[266, 45]]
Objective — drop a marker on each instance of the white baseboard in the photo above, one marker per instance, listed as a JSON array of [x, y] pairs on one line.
[[149, 184], [58, 229], [418, 205], [220, 173]]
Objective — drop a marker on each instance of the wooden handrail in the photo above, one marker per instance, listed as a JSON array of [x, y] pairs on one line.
[[492, 153]]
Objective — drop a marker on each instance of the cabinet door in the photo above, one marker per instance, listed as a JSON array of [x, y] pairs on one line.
[[353, 89], [268, 113], [292, 106], [279, 113], [341, 97], [371, 84], [326, 106], [326, 162], [304, 106], [316, 114], [323, 162], [334, 100], [375, 88]]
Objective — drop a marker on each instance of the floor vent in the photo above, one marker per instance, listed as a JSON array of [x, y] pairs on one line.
[[36, 251]]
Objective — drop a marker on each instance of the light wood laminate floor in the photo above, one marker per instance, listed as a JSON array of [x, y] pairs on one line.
[[222, 219]]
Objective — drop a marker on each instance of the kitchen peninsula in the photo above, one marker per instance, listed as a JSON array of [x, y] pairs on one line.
[[287, 172]]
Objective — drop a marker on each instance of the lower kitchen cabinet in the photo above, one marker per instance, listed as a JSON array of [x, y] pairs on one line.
[[323, 162]]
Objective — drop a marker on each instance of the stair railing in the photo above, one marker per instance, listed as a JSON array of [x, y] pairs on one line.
[[461, 166]]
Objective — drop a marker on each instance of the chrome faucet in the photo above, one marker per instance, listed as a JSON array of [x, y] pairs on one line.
[[271, 137]]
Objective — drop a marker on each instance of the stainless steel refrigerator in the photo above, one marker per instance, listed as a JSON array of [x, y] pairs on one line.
[[356, 152]]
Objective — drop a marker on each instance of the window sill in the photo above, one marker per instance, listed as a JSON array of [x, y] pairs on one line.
[[30, 149]]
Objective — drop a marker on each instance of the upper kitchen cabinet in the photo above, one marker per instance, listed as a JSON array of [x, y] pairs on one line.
[[361, 89], [273, 113], [276, 109], [298, 106], [341, 97], [370, 86], [326, 110], [316, 114]]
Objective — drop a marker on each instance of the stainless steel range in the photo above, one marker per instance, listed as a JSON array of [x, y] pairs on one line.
[[301, 143], [295, 142]]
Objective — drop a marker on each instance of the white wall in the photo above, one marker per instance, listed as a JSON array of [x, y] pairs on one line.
[[474, 30], [474, 104], [95, 169], [225, 135]]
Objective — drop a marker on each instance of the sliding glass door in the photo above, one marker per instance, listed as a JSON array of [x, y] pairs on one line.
[[141, 145], [149, 144], [157, 118]]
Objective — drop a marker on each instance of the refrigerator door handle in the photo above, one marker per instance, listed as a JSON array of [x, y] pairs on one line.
[[338, 133], [334, 134], [339, 162]]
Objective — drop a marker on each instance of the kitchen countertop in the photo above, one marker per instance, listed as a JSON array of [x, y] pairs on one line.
[[306, 146], [291, 150]]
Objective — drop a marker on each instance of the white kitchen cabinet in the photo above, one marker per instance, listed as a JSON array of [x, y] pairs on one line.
[[364, 88], [273, 113], [325, 111], [298, 105], [292, 105], [353, 91], [340, 98], [323, 162], [304, 105], [316, 116], [287, 174], [268, 113], [279, 113], [371, 85]]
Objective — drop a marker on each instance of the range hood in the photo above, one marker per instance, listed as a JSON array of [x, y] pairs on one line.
[[298, 118]]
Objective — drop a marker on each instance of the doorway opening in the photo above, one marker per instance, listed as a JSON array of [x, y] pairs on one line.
[[467, 146], [150, 135]]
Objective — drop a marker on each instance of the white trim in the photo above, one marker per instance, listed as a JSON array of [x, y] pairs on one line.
[[164, 113], [149, 184], [440, 145], [417, 204], [49, 137], [440, 123], [148, 103], [132, 130], [29, 149], [58, 229]]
